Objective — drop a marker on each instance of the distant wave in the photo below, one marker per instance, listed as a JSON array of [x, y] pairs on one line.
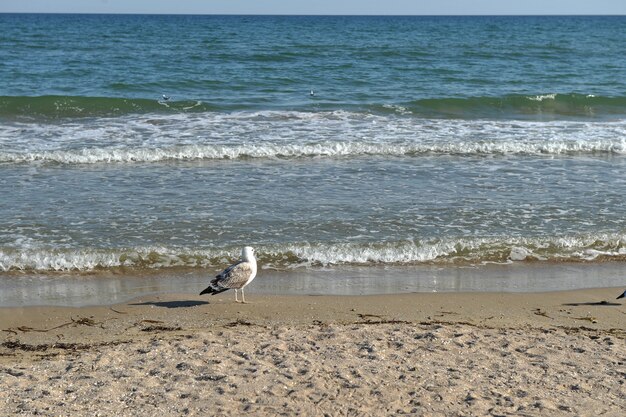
[[589, 248], [543, 105], [55, 107], [551, 104]]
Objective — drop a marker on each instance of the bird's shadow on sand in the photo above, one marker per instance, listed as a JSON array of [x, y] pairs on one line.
[[173, 304], [595, 303]]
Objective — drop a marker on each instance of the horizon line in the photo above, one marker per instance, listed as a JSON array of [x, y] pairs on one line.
[[328, 15]]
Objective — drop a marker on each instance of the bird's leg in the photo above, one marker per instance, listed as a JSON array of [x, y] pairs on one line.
[[243, 297], [236, 299]]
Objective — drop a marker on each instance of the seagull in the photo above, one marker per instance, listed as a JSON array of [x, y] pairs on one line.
[[165, 98], [235, 277], [622, 295], [312, 93]]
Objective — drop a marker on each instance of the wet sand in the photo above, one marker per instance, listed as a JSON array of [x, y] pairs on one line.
[[116, 286], [555, 353]]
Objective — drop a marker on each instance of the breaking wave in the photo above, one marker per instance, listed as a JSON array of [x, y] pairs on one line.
[[345, 149], [294, 134], [588, 248]]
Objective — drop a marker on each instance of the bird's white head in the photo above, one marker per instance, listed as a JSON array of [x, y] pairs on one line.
[[247, 254]]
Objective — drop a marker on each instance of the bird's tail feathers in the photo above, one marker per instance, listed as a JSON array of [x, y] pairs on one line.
[[213, 290]]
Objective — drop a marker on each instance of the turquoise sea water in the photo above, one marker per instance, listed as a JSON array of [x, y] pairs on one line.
[[427, 141]]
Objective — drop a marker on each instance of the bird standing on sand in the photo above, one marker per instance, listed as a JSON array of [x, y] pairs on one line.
[[235, 277], [621, 296]]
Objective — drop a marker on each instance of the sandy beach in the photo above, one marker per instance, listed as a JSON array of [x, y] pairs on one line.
[[556, 353], [435, 202]]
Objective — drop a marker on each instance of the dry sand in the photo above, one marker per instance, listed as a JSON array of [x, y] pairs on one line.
[[560, 353]]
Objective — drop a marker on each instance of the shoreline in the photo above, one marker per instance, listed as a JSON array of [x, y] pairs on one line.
[[19, 289], [421, 354]]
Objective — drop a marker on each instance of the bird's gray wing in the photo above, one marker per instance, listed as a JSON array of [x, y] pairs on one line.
[[235, 276]]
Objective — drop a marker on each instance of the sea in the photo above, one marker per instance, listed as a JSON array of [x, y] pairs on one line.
[[432, 150]]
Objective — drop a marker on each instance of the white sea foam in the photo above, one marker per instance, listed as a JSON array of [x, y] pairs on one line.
[[295, 135], [326, 149], [543, 97], [294, 255], [42, 259]]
